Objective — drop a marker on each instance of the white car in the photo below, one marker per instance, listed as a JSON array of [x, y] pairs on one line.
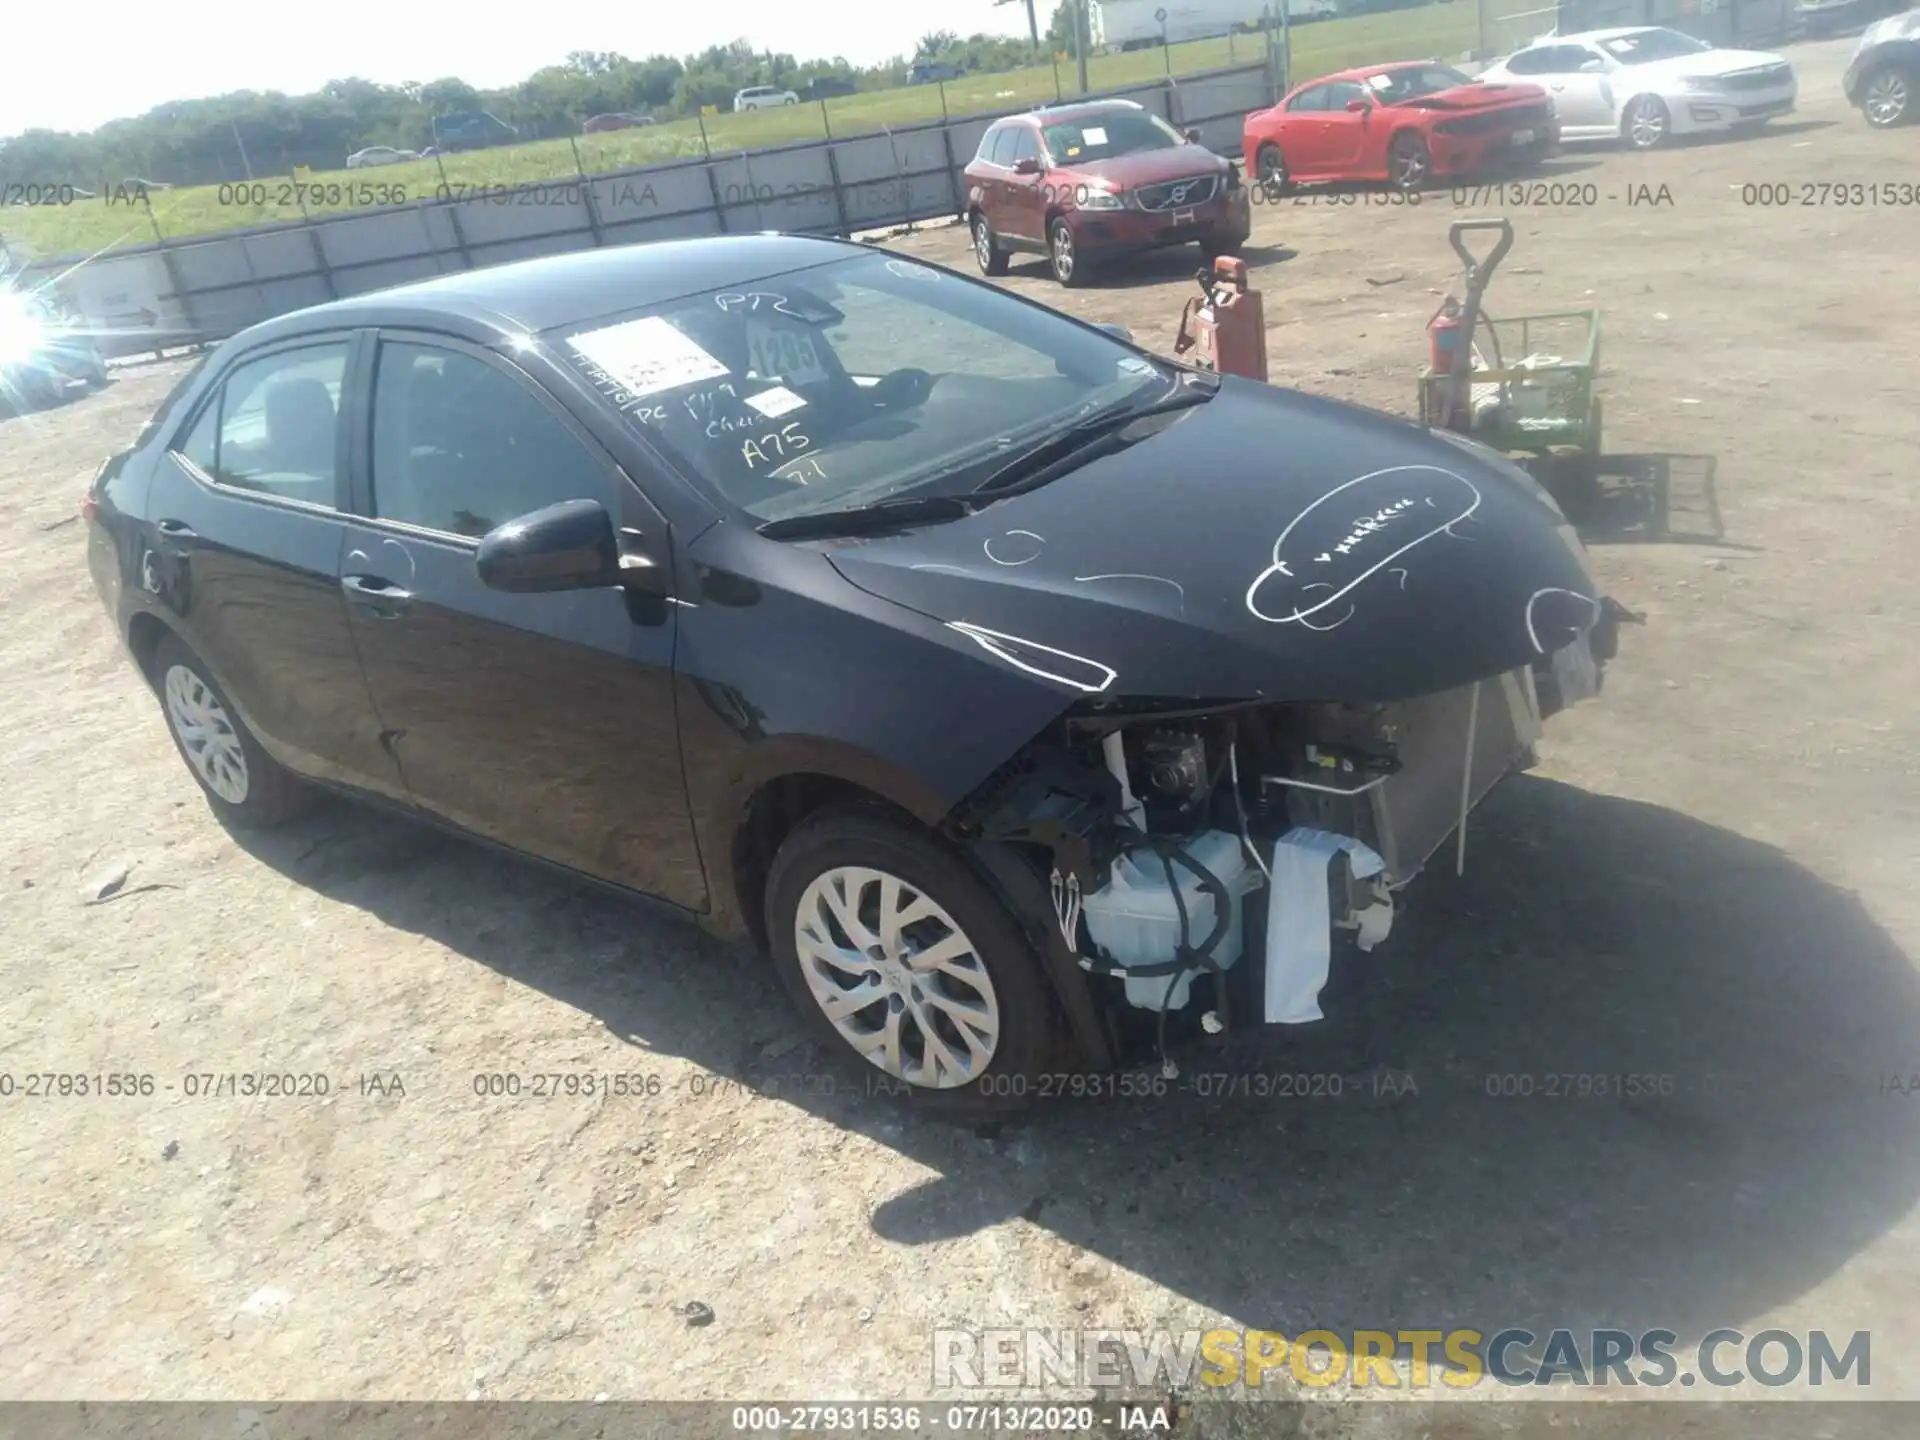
[[379, 155], [762, 97], [1644, 84]]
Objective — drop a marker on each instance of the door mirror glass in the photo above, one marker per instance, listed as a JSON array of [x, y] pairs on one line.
[[1027, 165], [1191, 134], [568, 546]]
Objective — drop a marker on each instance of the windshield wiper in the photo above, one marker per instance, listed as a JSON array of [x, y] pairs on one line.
[[881, 515], [1079, 444]]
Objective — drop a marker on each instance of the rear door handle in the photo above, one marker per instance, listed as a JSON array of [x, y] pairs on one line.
[[374, 596], [175, 529]]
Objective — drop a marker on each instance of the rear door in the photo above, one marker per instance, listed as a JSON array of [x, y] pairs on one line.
[[1303, 138], [247, 516], [542, 721]]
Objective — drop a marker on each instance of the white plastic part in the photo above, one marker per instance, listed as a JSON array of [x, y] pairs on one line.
[[1115, 751], [1135, 919], [1300, 920]]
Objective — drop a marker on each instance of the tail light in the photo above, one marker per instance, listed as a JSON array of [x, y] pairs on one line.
[[89, 506]]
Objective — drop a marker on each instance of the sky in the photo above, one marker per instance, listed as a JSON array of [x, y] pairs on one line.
[[130, 55]]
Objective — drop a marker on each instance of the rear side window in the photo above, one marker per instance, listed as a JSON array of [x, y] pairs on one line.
[[274, 426], [1026, 145], [1314, 99], [1002, 146]]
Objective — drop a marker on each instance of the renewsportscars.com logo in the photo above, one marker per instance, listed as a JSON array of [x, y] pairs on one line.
[[1392, 1359]]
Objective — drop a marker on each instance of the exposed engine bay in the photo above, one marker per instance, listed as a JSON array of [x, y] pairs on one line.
[[1199, 852]]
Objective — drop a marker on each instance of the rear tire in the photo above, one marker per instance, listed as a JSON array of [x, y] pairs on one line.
[[854, 897], [1270, 168], [987, 251], [246, 787]]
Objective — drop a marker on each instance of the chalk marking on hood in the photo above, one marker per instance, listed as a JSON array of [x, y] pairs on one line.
[[1040, 543], [1161, 579], [1534, 599], [995, 643], [1279, 566]]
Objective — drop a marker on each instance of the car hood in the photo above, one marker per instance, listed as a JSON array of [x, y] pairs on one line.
[[1266, 545], [1713, 62], [1149, 167], [1476, 97]]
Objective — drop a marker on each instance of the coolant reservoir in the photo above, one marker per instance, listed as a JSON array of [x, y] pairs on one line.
[[1135, 919]]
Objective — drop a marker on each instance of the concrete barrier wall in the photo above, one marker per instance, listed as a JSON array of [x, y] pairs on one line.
[[206, 288]]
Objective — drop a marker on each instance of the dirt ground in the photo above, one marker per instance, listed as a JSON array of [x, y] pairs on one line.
[[1709, 877]]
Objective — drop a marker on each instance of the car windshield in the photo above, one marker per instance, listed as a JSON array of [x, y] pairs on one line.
[[847, 383], [1101, 137], [1413, 81], [1645, 46]]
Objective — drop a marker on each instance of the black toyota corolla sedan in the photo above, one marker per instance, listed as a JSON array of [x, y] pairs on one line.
[[996, 676]]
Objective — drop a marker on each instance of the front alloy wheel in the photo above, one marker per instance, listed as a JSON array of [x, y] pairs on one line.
[[1068, 267], [897, 977], [1646, 123], [1883, 99], [1408, 163], [900, 956]]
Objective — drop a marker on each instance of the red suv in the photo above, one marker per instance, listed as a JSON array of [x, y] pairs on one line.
[[1079, 183]]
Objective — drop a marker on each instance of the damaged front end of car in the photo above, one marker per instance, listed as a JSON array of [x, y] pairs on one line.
[[1200, 858]]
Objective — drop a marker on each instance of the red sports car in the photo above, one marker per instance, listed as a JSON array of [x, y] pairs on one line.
[[1406, 124]]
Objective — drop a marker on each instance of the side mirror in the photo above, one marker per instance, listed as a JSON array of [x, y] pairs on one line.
[[1592, 67], [1029, 166], [569, 546], [1119, 332], [1359, 107], [1192, 134]]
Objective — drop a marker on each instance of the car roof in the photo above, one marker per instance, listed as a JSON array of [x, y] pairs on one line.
[[558, 291], [1591, 35], [1360, 72], [1084, 109]]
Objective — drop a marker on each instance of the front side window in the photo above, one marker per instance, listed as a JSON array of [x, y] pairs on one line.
[[274, 426], [1101, 137], [1390, 87], [461, 447], [851, 382]]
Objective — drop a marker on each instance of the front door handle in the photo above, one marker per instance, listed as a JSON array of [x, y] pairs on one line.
[[374, 596]]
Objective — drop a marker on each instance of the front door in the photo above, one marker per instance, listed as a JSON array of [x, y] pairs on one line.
[[1026, 200], [542, 721]]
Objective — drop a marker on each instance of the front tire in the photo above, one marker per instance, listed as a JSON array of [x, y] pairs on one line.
[[1646, 125], [904, 962], [987, 251], [1070, 267], [1886, 98], [1409, 163], [246, 787]]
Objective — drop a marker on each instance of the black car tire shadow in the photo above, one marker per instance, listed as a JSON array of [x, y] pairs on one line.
[[1717, 1142]]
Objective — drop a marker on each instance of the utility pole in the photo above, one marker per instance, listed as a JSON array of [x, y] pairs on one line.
[[245, 164], [1033, 23], [1083, 37]]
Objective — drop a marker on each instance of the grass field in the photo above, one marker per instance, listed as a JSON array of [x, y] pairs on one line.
[[1444, 29]]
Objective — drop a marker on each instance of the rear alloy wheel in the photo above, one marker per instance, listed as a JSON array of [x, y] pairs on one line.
[[986, 247], [902, 959], [1270, 166], [1646, 124], [1070, 267], [1408, 163], [1886, 98], [246, 786]]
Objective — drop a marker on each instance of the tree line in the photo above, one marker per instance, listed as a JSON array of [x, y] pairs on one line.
[[227, 137]]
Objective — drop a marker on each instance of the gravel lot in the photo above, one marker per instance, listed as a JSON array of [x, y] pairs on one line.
[[1709, 878]]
